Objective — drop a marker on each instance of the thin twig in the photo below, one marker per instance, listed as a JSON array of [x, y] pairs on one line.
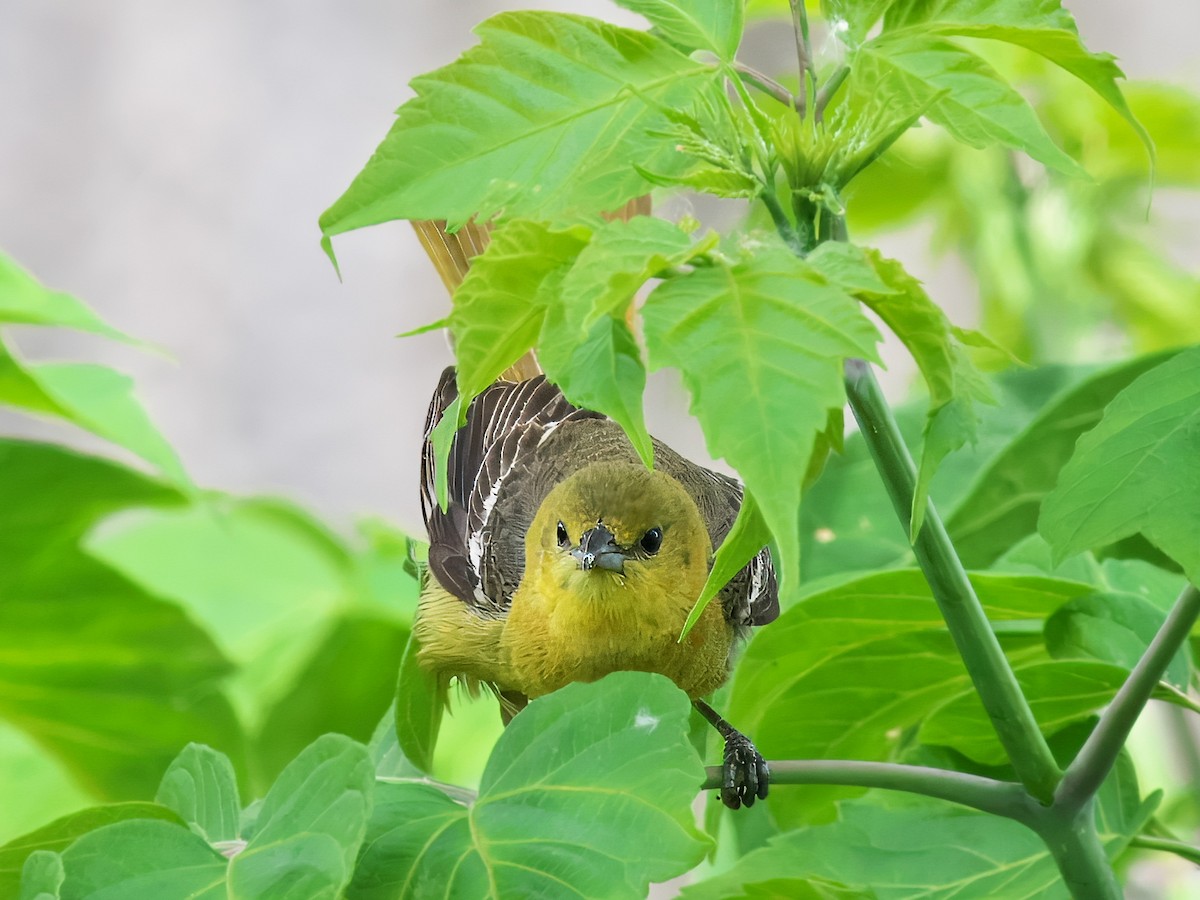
[[1091, 766], [1179, 848], [1001, 798], [770, 87], [828, 89], [803, 56]]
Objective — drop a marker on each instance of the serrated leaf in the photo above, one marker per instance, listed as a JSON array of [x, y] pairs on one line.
[[200, 785], [959, 91], [499, 307], [857, 16], [308, 831], [714, 25], [760, 344], [588, 792], [24, 301], [1113, 627], [604, 373], [618, 260], [547, 114], [1002, 504], [745, 540], [955, 385], [1136, 471], [95, 398], [1042, 26], [419, 709], [42, 876], [62, 832], [143, 859]]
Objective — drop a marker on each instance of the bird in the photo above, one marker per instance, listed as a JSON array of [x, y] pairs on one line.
[[560, 557]]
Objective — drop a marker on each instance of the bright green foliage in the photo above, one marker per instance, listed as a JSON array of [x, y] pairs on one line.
[[1002, 505], [61, 833], [588, 792], [24, 301], [890, 847], [142, 858], [959, 91], [418, 710], [760, 343], [744, 541], [543, 117], [1136, 470], [955, 385], [713, 25], [201, 787], [42, 876]]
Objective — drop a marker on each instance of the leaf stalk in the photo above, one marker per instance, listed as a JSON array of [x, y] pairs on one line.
[[1099, 753]]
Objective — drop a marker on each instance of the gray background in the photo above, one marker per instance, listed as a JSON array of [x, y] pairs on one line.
[[167, 162]]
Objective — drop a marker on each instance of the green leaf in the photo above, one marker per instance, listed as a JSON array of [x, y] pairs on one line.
[[619, 259], [547, 114], [862, 662], [892, 849], [42, 876], [955, 385], [24, 301], [1042, 26], [345, 686], [63, 832], [267, 583], [142, 859], [1060, 693], [604, 373], [201, 786], [959, 91], [389, 759], [419, 708], [760, 344], [714, 25], [135, 677], [1136, 471], [588, 792], [1002, 505], [95, 398], [499, 307], [1114, 628], [311, 823], [745, 540]]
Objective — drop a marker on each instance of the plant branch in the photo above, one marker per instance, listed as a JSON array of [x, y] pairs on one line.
[[1089, 769], [968, 624], [828, 89], [1167, 845], [808, 71], [1001, 798], [770, 87], [782, 224], [1074, 843]]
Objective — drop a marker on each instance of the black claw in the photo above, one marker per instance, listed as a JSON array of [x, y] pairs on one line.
[[746, 777]]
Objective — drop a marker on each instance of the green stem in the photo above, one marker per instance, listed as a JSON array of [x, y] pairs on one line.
[[782, 224], [808, 71], [1001, 798], [1075, 845], [1179, 848], [1094, 761], [827, 91], [972, 633], [770, 87]]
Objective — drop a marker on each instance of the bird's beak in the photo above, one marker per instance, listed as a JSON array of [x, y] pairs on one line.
[[598, 550]]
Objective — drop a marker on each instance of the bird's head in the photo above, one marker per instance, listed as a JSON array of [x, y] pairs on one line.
[[616, 531]]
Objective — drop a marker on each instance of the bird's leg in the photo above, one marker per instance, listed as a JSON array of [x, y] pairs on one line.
[[745, 776]]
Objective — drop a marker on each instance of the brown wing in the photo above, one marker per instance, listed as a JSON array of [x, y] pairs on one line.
[[476, 546]]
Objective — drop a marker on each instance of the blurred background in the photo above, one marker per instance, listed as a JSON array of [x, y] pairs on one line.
[[166, 163]]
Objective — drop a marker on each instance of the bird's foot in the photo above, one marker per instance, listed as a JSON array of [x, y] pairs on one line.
[[744, 773]]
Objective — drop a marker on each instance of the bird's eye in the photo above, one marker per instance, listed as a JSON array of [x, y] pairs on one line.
[[562, 534], [652, 540]]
